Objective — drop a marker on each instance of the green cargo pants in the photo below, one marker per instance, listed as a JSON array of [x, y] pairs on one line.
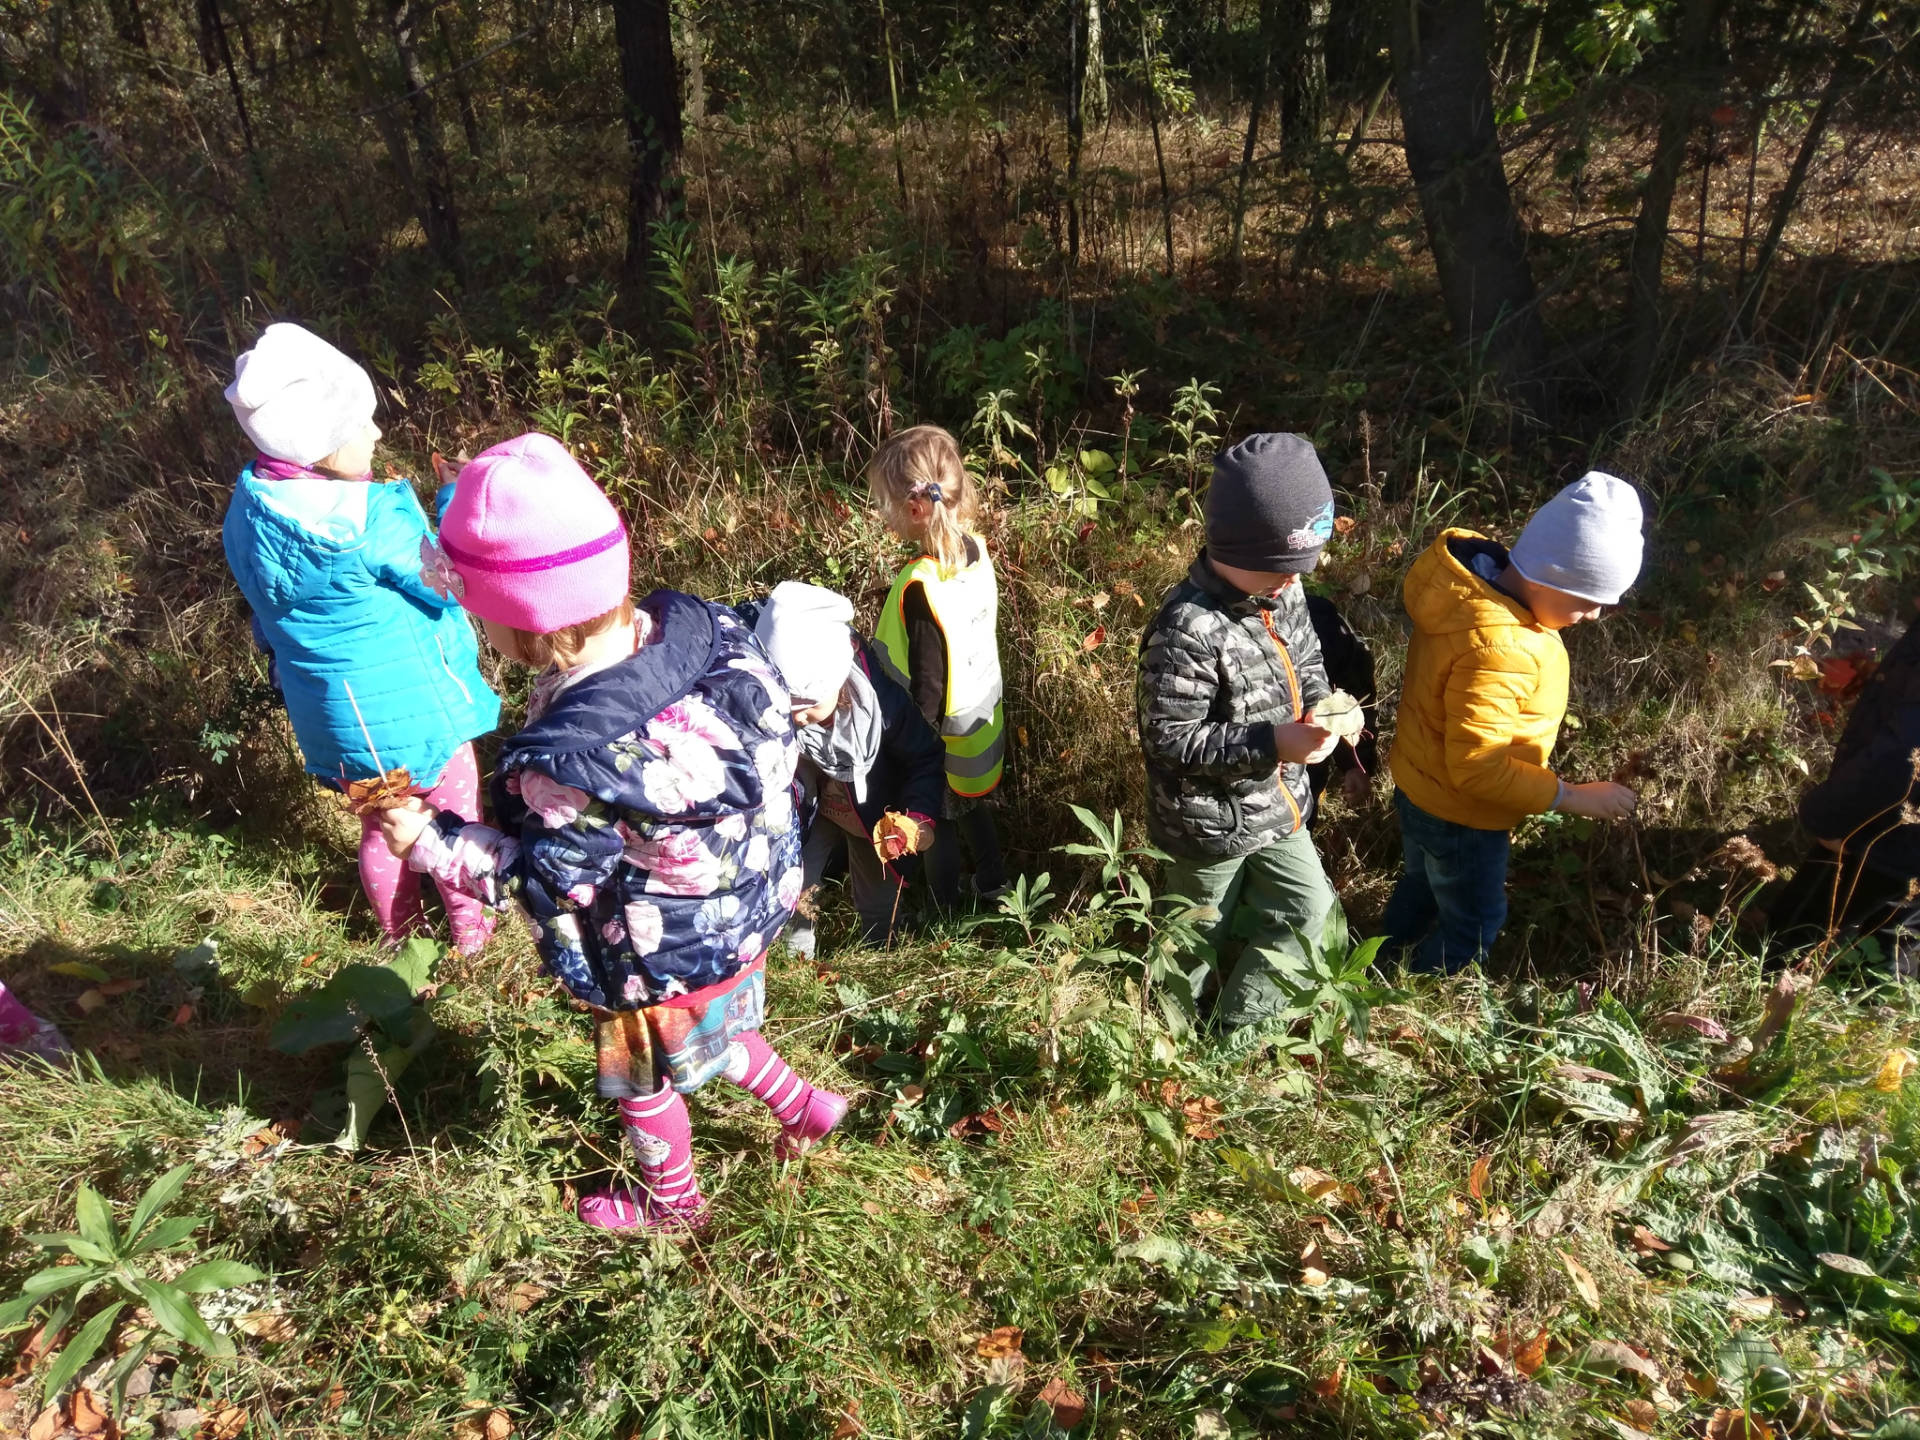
[[1256, 901]]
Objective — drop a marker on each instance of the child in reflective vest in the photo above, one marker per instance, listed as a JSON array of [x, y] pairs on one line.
[[938, 637]]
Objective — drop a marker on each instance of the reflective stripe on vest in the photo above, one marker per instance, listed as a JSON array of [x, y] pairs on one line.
[[966, 606]]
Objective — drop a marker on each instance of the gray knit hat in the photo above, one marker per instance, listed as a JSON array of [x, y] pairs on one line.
[[1585, 540], [1269, 506]]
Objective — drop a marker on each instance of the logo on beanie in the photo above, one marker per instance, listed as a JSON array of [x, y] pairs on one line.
[[1313, 534]]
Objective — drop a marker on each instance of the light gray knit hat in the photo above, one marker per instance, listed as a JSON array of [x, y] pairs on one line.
[[1585, 540]]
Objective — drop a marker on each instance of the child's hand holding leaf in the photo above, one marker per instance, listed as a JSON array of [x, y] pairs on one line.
[[896, 835], [402, 823]]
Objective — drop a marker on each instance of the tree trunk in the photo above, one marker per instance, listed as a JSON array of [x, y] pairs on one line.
[[457, 77], [214, 46], [1076, 132], [442, 220], [693, 54], [379, 107], [1453, 153], [1683, 90], [1153, 119], [1303, 96], [1093, 79], [1845, 72], [649, 84], [1251, 143]]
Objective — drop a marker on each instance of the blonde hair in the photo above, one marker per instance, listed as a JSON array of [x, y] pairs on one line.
[[563, 647], [904, 468]]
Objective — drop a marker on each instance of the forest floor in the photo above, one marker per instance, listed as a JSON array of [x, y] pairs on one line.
[[1632, 1181]]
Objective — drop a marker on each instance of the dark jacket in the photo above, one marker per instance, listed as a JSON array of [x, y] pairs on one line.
[[647, 814], [1871, 782], [1349, 667], [910, 773], [1214, 681]]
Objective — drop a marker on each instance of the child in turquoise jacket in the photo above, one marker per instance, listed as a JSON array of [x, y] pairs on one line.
[[376, 659]]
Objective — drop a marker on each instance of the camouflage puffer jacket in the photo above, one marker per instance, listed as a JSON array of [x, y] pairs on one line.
[[1218, 670]]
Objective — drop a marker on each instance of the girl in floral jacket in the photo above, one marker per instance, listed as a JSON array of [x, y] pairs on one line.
[[647, 812]]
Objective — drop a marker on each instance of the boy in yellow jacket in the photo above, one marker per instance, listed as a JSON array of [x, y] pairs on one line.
[[1481, 702]]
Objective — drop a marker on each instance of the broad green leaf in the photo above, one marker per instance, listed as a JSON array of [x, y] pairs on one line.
[[55, 1278], [1160, 1130], [168, 1232], [94, 1219], [16, 1311], [159, 1195], [80, 1349], [1096, 462], [414, 962], [216, 1275], [335, 1013], [178, 1317]]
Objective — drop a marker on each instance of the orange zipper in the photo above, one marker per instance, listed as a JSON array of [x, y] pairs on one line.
[[1293, 688]]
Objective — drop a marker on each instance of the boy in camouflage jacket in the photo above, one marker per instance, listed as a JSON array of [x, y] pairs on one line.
[[1230, 674]]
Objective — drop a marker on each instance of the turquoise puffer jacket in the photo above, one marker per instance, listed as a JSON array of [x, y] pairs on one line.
[[341, 603]]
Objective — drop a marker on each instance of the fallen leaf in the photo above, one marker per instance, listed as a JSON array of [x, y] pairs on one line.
[[46, 1424], [1773, 580], [1703, 1386], [269, 1325], [499, 1424], [9, 1397], [524, 1296], [988, 1122], [223, 1423], [1477, 1177], [1316, 1183], [1750, 1307], [912, 1094], [849, 1424], [1000, 1343], [1644, 1414], [1098, 600], [1893, 1070], [1095, 639], [1206, 1219], [1737, 1425], [1343, 524], [1199, 1114], [1699, 1024], [1582, 1280], [261, 1140], [1528, 1358], [1610, 1357], [89, 1000], [1328, 1386], [1645, 1242], [88, 1416], [182, 1015], [1069, 1408], [120, 987], [1211, 1425]]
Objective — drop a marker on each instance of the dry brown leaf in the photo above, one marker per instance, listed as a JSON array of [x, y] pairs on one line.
[[88, 1416], [182, 1016], [1704, 1387], [336, 1397], [524, 1296], [47, 1424], [499, 1424], [1529, 1357], [89, 1001], [1094, 639], [1750, 1307], [1068, 1406], [1316, 1183], [111, 988], [1477, 1177], [1729, 1424], [223, 1422], [849, 1424], [1643, 1413], [1645, 1242], [1613, 1356], [1893, 1070], [1199, 1115], [1583, 1282], [269, 1325], [1206, 1219], [9, 1398], [999, 1343], [263, 1139], [912, 1094], [1328, 1386]]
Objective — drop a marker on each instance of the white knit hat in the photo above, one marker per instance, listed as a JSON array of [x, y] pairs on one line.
[[806, 633], [297, 397], [1585, 540]]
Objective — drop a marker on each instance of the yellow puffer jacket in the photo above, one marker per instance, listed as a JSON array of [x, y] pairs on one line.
[[1483, 696]]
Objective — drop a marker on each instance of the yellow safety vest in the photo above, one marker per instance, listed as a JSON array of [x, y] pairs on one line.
[[966, 606]]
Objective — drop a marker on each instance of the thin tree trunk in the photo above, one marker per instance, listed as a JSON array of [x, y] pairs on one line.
[[456, 74], [1303, 103], [1248, 147], [1093, 78], [693, 58], [1838, 83], [893, 97], [1681, 93], [441, 217], [214, 33], [1159, 155], [649, 84], [1453, 153], [1076, 133], [1371, 109]]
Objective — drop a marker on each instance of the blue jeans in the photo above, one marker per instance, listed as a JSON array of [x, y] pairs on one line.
[[1452, 897]]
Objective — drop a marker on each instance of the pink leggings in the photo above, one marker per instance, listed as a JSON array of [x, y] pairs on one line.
[[394, 890]]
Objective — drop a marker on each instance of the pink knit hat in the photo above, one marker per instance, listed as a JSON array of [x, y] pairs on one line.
[[537, 545]]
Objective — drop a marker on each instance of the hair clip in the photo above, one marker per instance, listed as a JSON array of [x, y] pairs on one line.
[[928, 490]]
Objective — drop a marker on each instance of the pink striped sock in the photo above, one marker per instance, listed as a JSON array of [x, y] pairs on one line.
[[662, 1136], [770, 1080]]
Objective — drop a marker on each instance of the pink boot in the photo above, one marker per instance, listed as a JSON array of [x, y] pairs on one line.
[[631, 1208], [823, 1111]]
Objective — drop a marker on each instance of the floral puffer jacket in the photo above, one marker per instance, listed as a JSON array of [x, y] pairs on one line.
[[648, 808]]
